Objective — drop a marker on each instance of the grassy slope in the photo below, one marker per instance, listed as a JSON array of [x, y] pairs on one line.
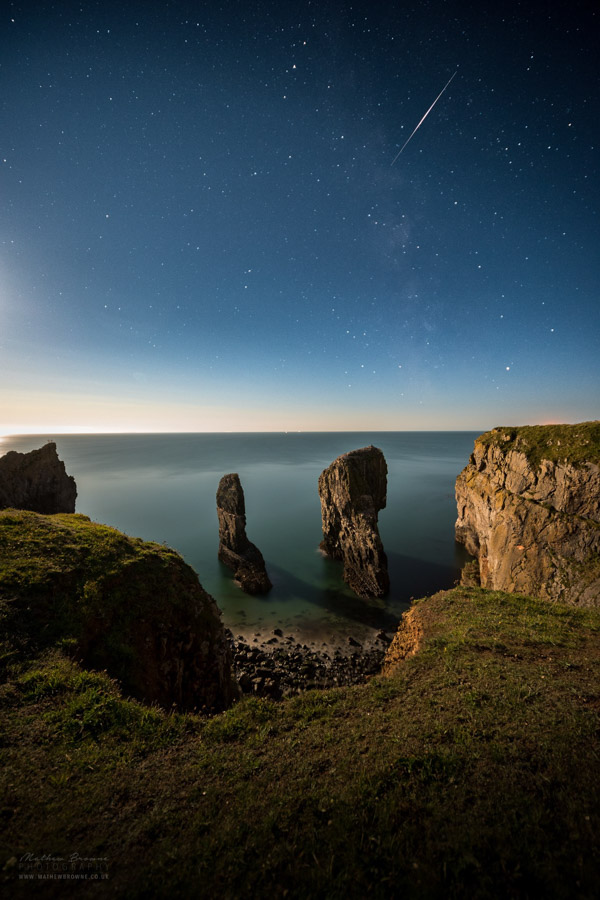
[[58, 563], [119, 603], [471, 770], [577, 444]]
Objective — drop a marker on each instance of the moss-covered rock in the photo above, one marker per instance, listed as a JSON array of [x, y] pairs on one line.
[[573, 444], [120, 604]]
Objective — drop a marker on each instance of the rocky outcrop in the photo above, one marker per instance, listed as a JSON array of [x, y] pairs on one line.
[[235, 550], [406, 641], [119, 604], [529, 511], [36, 481], [352, 491]]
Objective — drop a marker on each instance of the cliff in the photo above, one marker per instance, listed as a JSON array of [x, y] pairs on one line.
[[470, 771], [352, 491], [235, 550], [36, 481], [529, 511], [132, 608]]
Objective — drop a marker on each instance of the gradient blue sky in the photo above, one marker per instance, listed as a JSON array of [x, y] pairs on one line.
[[202, 229]]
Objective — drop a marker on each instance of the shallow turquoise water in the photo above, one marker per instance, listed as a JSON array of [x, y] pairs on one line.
[[162, 487]]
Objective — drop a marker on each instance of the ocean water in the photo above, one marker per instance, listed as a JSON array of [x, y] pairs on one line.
[[162, 487]]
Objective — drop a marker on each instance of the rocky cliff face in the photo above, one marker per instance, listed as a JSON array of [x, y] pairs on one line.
[[36, 481], [352, 491], [529, 511], [123, 605], [235, 550]]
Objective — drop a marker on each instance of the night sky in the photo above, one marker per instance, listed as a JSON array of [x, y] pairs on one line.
[[202, 228]]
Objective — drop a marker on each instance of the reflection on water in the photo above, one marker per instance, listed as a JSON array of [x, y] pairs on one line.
[[162, 487]]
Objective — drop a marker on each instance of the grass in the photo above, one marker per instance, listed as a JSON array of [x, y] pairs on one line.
[[60, 564], [576, 444], [132, 607], [470, 770]]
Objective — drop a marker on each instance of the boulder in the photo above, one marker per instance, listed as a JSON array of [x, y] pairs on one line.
[[352, 491], [529, 511], [37, 481], [235, 550], [114, 603]]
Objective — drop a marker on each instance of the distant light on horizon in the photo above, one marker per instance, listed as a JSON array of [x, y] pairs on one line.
[[42, 430], [244, 427]]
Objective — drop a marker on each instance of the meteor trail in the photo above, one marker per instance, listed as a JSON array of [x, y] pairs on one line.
[[422, 120]]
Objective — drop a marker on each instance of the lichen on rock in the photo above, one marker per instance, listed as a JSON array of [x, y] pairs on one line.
[[235, 550], [352, 491], [529, 511], [37, 481]]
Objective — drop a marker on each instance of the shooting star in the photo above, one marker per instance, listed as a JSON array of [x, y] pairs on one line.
[[422, 120]]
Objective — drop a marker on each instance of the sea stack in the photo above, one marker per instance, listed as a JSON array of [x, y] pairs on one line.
[[36, 481], [352, 491], [235, 550], [529, 511]]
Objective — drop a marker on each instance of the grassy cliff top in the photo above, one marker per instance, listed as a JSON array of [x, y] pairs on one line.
[[576, 444], [68, 570], [469, 771], [127, 606], [33, 546]]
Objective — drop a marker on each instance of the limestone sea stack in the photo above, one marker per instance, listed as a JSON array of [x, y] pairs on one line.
[[529, 511], [36, 481], [235, 550], [352, 491]]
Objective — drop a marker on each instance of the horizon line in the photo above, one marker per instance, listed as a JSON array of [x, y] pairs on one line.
[[93, 433]]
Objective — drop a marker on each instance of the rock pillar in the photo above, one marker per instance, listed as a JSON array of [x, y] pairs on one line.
[[352, 491], [235, 550]]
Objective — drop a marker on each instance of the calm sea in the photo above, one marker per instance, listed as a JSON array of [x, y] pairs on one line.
[[162, 487]]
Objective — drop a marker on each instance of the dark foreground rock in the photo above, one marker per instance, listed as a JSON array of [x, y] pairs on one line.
[[352, 491], [286, 667], [114, 603], [529, 511], [235, 550], [37, 481]]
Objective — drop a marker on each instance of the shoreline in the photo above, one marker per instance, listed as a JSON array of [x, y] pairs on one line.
[[278, 664]]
